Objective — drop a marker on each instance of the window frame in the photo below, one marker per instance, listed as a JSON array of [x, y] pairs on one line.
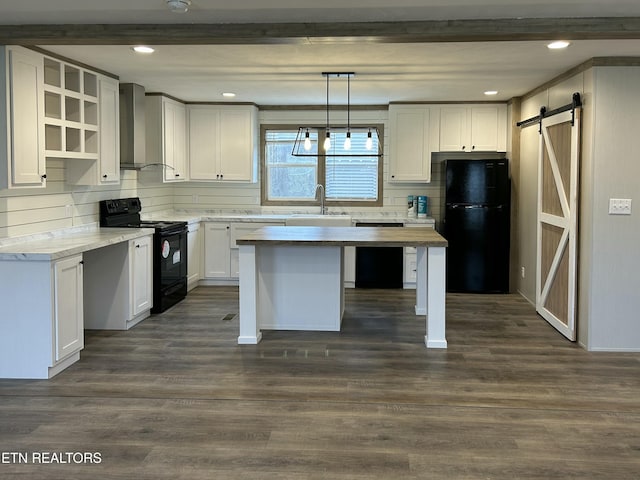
[[321, 170]]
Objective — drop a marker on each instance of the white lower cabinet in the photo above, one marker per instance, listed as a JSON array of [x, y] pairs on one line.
[[194, 255], [68, 311], [237, 231], [409, 273], [349, 267], [220, 249], [140, 272], [42, 329], [410, 259], [48, 303], [216, 250]]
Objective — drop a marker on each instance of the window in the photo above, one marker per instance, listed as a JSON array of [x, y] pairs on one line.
[[290, 180]]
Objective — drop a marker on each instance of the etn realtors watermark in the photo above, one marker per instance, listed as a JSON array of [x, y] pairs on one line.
[[47, 458]]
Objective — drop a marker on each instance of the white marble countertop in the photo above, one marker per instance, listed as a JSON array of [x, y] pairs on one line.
[[59, 244], [246, 216]]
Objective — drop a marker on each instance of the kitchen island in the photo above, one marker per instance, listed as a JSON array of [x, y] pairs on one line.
[[291, 278]]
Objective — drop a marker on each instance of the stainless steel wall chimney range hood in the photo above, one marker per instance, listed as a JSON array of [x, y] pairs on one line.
[[132, 126]]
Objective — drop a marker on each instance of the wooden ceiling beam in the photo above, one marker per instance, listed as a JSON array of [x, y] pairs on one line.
[[290, 33]]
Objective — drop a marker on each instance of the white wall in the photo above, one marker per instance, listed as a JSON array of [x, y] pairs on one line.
[[608, 302], [59, 205], [614, 302]]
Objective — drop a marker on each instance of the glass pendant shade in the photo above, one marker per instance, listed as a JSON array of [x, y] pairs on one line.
[[307, 141], [327, 142], [369, 143], [347, 142]]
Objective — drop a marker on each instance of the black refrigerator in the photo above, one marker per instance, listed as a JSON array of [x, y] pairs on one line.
[[476, 223]]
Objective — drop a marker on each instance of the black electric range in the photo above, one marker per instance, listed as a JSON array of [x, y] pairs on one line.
[[169, 248]]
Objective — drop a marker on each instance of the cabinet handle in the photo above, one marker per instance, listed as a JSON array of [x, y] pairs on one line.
[[221, 176], [473, 147], [464, 147], [137, 246], [177, 174], [43, 177], [81, 262], [104, 176]]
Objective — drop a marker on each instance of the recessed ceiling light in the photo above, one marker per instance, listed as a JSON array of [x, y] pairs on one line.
[[558, 45], [143, 49], [229, 94], [491, 92], [178, 6]]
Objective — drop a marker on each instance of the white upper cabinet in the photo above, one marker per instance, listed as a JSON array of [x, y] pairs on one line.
[[109, 151], [413, 134], [22, 156], [223, 143], [105, 169], [166, 136], [477, 128], [70, 110]]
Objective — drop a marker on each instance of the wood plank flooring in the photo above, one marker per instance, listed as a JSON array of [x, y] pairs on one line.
[[177, 398]]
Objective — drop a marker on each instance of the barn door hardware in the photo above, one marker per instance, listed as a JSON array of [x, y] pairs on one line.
[[575, 103]]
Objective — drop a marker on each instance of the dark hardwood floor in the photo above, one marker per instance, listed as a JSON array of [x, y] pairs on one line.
[[177, 398]]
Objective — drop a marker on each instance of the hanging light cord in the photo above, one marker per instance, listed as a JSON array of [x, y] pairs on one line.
[[327, 102], [348, 102]]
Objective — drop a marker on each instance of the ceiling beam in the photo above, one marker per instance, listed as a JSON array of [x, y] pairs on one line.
[[291, 33]]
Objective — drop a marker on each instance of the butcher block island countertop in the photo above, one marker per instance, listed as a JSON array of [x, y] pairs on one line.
[[344, 236], [292, 277]]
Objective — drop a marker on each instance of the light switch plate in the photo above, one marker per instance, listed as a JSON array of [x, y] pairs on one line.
[[619, 206]]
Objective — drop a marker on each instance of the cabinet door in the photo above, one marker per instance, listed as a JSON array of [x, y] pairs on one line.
[[194, 255], [409, 267], [109, 153], [238, 230], [174, 143], [454, 135], [180, 142], [216, 250], [350, 266], [484, 128], [237, 153], [410, 156], [141, 272], [203, 143], [68, 309], [26, 119]]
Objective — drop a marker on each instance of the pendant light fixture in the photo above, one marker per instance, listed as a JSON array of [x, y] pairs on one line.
[[302, 146], [327, 140], [347, 139]]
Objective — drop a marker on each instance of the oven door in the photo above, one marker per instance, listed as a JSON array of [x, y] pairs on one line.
[[171, 258]]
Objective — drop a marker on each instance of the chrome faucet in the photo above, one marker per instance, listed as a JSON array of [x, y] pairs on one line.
[[322, 207]]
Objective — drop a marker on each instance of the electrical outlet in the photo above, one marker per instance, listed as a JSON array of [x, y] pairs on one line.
[[619, 206], [68, 211], [522, 272]]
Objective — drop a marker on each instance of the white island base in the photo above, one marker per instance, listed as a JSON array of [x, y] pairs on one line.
[[300, 287], [294, 288]]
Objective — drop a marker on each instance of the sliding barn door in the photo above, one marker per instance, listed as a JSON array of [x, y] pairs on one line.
[[557, 221]]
